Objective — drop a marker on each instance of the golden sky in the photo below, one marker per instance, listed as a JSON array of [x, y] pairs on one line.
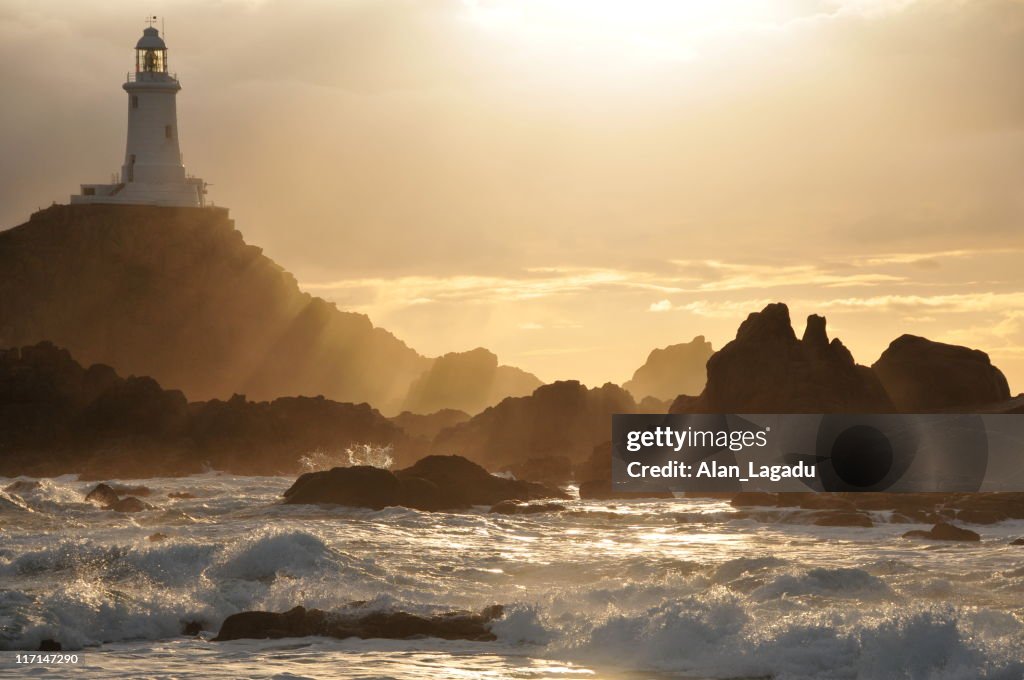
[[572, 183]]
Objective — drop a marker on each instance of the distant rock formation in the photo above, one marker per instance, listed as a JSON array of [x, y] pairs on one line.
[[177, 294], [58, 417], [766, 369], [560, 419], [426, 427], [671, 371], [432, 483], [467, 381], [921, 375]]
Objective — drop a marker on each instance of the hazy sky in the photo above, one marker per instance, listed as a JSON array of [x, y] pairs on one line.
[[571, 183]]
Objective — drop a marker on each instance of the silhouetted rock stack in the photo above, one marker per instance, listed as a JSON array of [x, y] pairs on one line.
[[433, 483], [560, 419], [766, 369], [671, 371], [921, 375]]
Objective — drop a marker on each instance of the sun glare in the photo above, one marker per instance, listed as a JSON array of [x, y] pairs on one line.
[[672, 29]]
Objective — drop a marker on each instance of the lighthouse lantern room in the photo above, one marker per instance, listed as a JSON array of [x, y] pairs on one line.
[[152, 173]]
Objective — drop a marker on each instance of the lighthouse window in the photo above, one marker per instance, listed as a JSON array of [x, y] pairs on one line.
[[169, 131], [135, 102]]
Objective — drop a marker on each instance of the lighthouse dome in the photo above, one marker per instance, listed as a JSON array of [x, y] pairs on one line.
[[150, 40]]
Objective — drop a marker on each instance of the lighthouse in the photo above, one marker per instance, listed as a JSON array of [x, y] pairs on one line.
[[153, 172]]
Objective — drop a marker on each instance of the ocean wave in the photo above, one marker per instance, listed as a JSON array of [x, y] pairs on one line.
[[840, 582]]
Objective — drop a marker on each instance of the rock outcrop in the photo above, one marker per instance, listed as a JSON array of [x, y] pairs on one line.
[[433, 483], [302, 622], [921, 375], [766, 369], [467, 381], [58, 417], [944, 531], [671, 371], [560, 419], [177, 294]]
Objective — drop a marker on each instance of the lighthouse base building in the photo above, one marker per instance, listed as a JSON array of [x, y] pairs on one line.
[[153, 172]]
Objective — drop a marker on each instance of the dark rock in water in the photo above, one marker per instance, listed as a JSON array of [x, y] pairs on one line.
[[433, 483], [362, 486], [1017, 541], [766, 369], [944, 531], [989, 508], [513, 508], [157, 537], [49, 646], [842, 519], [192, 628], [102, 495], [181, 495], [463, 483], [421, 494], [671, 371], [746, 499], [22, 486], [922, 375], [300, 622], [129, 504]]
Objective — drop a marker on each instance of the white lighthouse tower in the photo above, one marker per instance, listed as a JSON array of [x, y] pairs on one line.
[[153, 173]]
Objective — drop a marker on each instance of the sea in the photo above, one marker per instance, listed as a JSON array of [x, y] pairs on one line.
[[684, 588]]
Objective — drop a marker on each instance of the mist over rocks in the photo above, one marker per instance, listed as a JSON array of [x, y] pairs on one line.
[[427, 426], [671, 371], [467, 381], [58, 417], [178, 295], [561, 419], [766, 369], [924, 375]]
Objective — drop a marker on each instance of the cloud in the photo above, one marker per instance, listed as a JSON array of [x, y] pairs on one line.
[[660, 306]]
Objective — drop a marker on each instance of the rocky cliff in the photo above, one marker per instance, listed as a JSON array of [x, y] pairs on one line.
[[671, 371], [467, 381], [57, 416], [177, 294]]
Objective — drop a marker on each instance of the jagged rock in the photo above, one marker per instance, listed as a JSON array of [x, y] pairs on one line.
[[49, 645], [514, 508], [1017, 541], [671, 371], [300, 622], [944, 531], [102, 495], [129, 504], [922, 375], [433, 483], [467, 381], [560, 419], [766, 369]]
